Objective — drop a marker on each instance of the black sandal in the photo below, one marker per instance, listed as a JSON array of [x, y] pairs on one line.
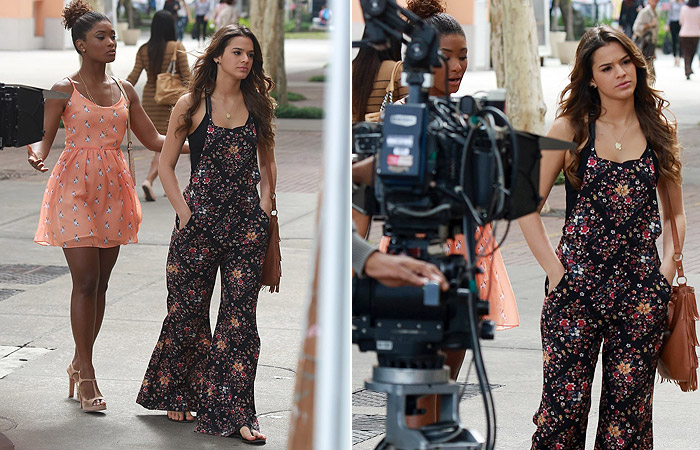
[[256, 441]]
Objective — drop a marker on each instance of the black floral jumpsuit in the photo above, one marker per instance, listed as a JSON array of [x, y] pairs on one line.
[[612, 293], [190, 368]]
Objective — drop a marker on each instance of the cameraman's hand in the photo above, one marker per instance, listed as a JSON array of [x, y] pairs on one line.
[[401, 270]]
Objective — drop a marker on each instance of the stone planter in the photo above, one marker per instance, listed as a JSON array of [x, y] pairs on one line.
[[131, 36], [121, 30], [567, 51], [555, 37]]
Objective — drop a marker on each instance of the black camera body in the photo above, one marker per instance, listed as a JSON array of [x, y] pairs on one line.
[[21, 115], [443, 167]]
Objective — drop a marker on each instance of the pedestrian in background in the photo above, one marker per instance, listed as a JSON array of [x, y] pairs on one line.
[[628, 13], [606, 283], [371, 75], [202, 8], [221, 224], [183, 18], [227, 14], [689, 33], [674, 26], [90, 207], [646, 30], [181, 14], [154, 56]]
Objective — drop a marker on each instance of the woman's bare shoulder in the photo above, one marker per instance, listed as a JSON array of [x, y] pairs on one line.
[[562, 128], [63, 85]]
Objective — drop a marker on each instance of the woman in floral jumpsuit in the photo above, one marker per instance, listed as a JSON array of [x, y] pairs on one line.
[[606, 283], [221, 224]]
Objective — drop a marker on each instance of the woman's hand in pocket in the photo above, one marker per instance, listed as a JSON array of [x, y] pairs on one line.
[[555, 277], [184, 218]]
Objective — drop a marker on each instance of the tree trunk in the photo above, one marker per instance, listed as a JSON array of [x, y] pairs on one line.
[[267, 22], [297, 17], [497, 42], [520, 64], [567, 13], [256, 19], [281, 80]]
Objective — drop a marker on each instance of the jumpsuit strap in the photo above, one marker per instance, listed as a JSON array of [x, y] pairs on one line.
[[207, 101]]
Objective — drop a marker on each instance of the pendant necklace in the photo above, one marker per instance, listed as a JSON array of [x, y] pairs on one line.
[[618, 142], [223, 105]]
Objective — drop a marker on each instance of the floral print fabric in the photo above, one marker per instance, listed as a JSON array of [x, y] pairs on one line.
[[612, 294], [191, 368], [90, 199]]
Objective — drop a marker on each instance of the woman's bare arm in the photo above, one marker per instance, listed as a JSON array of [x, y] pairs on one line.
[[675, 193], [172, 147], [533, 228], [53, 109]]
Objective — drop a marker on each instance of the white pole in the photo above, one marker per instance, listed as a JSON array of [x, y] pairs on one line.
[[332, 419]]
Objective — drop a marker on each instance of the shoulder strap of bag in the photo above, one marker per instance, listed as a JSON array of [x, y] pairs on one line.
[[172, 66], [394, 73], [129, 144], [677, 254]]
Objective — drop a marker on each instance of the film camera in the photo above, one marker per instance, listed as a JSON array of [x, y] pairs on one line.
[[21, 115], [443, 167]]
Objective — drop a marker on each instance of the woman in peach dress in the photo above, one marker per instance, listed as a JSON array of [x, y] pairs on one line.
[[90, 206]]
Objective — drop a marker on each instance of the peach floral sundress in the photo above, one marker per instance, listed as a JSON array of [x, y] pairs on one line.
[[90, 200]]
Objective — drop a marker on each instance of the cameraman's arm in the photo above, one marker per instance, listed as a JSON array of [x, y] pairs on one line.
[[392, 270], [53, 108], [533, 229]]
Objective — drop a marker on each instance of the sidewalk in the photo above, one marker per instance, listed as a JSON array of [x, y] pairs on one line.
[[513, 359], [36, 343]]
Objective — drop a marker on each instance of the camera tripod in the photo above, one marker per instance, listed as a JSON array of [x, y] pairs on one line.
[[399, 384]]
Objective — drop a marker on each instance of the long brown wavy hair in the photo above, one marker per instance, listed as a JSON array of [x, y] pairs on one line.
[[255, 87], [580, 102]]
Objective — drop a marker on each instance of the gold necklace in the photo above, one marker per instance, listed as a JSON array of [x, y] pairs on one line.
[[618, 142], [223, 105], [87, 91]]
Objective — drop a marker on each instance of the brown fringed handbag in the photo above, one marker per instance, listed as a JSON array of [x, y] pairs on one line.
[[272, 266], [679, 362]]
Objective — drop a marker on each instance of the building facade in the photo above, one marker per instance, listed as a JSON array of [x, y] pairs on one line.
[[36, 24]]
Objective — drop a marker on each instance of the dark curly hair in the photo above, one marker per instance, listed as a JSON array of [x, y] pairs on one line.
[[79, 18], [433, 12], [580, 103], [256, 86]]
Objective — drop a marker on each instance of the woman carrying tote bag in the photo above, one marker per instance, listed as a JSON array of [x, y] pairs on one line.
[[154, 56]]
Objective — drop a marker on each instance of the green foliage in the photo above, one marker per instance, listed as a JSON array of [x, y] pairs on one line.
[[318, 78], [560, 179], [291, 96], [295, 112], [305, 25], [663, 19], [307, 35]]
